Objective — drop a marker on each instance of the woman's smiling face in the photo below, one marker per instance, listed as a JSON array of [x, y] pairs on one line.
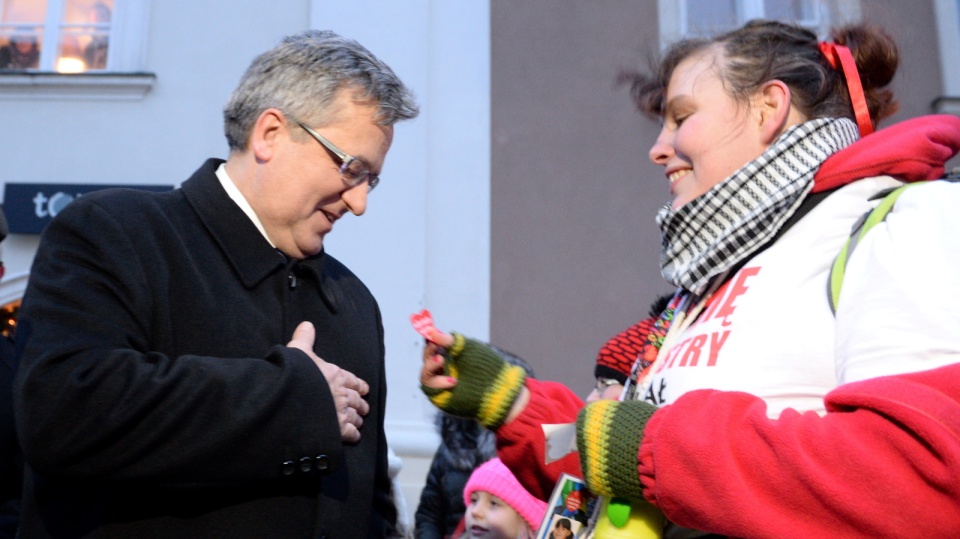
[[707, 135]]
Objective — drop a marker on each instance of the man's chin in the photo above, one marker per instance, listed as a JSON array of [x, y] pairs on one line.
[[314, 251], [300, 252]]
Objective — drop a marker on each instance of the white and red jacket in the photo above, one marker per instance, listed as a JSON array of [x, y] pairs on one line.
[[779, 418]]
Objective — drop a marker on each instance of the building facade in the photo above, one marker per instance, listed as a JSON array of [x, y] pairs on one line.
[[519, 207]]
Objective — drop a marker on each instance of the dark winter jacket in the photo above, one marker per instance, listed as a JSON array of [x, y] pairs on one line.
[[11, 462], [155, 396], [464, 446]]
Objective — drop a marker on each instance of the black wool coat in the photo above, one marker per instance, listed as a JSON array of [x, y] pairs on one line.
[[11, 462], [156, 396]]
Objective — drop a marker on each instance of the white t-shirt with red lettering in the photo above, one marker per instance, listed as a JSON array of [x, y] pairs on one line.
[[769, 330]]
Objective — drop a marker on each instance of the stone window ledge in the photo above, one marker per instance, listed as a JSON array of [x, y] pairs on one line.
[[60, 86]]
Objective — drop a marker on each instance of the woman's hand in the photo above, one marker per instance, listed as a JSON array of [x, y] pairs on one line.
[[468, 378], [432, 374]]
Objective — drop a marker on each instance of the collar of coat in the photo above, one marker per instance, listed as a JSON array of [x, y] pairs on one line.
[[911, 151], [252, 257]]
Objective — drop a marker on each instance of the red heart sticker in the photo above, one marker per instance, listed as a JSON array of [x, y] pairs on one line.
[[574, 501], [423, 323]]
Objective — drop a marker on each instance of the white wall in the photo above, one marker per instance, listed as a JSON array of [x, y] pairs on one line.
[[425, 239], [948, 33]]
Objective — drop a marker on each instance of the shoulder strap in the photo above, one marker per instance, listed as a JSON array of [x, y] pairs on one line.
[[860, 229], [809, 202]]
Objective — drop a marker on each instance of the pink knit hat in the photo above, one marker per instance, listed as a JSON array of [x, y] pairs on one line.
[[494, 477]]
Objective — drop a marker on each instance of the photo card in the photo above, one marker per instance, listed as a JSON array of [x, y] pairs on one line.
[[570, 506]]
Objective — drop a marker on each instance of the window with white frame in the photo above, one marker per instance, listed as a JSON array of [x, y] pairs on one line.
[[948, 32], [66, 36], [687, 18], [73, 48]]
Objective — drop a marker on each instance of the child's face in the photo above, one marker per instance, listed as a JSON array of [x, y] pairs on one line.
[[488, 517]]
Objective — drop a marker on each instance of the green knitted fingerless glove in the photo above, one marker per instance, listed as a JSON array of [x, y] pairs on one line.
[[608, 437], [486, 386]]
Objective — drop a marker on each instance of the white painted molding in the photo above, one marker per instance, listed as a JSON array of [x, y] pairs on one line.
[[946, 105], [948, 33], [58, 86], [13, 287], [412, 438]]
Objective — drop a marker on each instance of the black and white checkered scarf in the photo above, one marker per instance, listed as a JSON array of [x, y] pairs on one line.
[[712, 233]]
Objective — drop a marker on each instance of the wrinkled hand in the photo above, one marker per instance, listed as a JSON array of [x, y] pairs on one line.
[[346, 388]]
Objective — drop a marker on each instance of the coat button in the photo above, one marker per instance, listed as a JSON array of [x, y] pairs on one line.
[[323, 463], [288, 467], [306, 465]]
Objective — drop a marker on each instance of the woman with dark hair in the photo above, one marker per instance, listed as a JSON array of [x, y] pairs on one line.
[[562, 529], [771, 408]]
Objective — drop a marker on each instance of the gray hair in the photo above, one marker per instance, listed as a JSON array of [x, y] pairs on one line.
[[304, 74]]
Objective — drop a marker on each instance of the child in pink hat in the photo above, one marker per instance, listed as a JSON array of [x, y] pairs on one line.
[[498, 507]]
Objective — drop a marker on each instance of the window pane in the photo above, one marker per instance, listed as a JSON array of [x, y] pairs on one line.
[[21, 33], [84, 35], [23, 11], [706, 17], [792, 10]]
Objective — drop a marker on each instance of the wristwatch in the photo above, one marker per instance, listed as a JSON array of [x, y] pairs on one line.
[[604, 383]]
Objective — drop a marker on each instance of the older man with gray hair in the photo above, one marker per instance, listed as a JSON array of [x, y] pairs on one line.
[[195, 364]]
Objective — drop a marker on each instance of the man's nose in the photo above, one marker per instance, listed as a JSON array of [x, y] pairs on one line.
[[356, 198]]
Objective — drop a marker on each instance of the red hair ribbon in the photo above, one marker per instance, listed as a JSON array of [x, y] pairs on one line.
[[838, 54]]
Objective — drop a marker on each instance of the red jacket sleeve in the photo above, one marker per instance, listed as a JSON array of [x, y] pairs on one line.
[[884, 461], [521, 444]]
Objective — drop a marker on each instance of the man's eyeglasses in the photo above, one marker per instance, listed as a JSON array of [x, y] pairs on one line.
[[352, 170]]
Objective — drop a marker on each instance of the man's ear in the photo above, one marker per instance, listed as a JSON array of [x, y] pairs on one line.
[[775, 110], [265, 133]]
